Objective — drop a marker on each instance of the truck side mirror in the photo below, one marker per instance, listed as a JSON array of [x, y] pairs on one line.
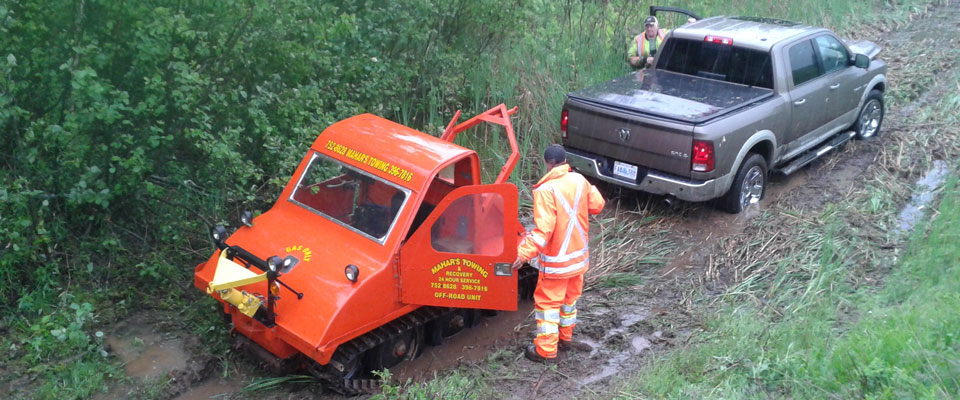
[[861, 61]]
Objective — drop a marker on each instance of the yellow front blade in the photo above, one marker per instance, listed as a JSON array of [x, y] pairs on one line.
[[230, 275]]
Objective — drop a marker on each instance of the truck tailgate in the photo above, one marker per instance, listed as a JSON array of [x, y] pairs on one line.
[[638, 140], [647, 118]]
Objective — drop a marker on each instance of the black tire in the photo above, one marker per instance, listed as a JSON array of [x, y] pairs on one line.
[[867, 125], [744, 190]]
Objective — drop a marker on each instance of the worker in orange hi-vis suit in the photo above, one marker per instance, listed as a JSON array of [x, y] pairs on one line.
[[562, 201]]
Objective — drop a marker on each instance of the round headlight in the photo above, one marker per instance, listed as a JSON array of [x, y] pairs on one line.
[[351, 272], [218, 233], [274, 263], [246, 218]]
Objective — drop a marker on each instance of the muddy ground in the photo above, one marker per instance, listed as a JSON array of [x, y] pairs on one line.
[[678, 251]]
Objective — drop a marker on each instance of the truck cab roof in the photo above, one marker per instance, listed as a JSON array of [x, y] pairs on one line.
[[387, 149], [752, 32]]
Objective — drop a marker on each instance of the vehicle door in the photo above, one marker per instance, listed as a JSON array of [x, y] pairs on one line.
[[840, 78], [809, 97], [462, 253]]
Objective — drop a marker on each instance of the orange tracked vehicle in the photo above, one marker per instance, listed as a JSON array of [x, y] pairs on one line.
[[384, 240]]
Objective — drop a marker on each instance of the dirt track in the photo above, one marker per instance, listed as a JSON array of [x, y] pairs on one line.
[[681, 249]]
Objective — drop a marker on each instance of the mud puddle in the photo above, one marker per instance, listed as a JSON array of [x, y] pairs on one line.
[[145, 354], [163, 359], [497, 332], [624, 344], [914, 210], [211, 389]]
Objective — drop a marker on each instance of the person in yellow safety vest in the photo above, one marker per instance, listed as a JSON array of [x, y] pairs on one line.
[[643, 47], [562, 201]]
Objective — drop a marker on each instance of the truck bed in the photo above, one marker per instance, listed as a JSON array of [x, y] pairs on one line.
[[677, 97]]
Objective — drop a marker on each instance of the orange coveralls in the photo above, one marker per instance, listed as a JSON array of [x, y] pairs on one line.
[[561, 202]]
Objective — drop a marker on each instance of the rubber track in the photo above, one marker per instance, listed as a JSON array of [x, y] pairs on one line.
[[332, 373], [346, 353]]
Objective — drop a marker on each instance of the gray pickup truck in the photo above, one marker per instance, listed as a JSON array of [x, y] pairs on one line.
[[728, 100]]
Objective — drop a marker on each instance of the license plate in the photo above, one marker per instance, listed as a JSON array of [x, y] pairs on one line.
[[625, 170]]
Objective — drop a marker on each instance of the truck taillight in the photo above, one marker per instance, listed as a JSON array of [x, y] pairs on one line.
[[718, 39], [702, 156], [563, 123]]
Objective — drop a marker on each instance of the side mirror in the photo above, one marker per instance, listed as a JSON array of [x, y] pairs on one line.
[[861, 61]]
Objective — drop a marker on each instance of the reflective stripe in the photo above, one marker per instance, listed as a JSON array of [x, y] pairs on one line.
[[642, 39], [563, 270], [573, 225], [574, 222], [568, 315], [547, 329], [538, 240], [560, 259], [547, 315]]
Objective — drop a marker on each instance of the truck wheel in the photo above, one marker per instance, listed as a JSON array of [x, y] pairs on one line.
[[871, 116], [748, 186]]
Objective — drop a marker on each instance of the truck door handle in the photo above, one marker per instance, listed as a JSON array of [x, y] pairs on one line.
[[799, 102], [834, 86]]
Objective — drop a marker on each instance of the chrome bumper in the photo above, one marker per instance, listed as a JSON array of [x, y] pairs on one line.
[[656, 182]]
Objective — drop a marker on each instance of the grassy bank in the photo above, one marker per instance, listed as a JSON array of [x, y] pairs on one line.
[[829, 339], [850, 306]]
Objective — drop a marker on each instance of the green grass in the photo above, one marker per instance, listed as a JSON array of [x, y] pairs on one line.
[[833, 341], [621, 279], [273, 383], [61, 352]]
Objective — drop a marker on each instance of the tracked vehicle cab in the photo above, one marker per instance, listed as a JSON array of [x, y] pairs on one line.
[[382, 241]]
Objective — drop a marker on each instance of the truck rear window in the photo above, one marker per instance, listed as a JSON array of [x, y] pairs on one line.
[[717, 61]]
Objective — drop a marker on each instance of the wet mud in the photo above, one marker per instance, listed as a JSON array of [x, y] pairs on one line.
[[914, 210], [470, 344], [152, 354], [212, 389], [146, 354]]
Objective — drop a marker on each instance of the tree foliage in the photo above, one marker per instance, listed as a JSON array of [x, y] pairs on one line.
[[128, 125]]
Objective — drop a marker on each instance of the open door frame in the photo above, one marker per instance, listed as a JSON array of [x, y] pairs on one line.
[[463, 279]]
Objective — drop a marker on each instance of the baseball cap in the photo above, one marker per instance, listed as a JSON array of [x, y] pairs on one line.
[[555, 154], [650, 20]]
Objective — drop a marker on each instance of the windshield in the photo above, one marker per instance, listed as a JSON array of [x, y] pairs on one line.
[[350, 197], [722, 62]]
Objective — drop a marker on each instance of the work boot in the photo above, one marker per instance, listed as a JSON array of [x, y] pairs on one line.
[[531, 354], [574, 345]]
